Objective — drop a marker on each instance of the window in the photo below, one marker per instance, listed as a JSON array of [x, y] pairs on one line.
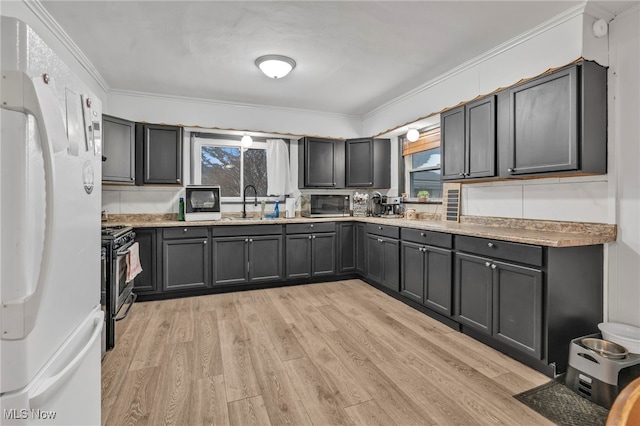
[[228, 164], [422, 165]]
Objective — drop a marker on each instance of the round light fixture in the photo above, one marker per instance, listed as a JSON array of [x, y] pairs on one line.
[[275, 66], [413, 135], [246, 141]]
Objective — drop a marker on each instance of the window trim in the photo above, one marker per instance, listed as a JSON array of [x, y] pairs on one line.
[[196, 160]]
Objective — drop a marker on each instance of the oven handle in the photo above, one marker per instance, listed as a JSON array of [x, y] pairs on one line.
[[125, 250], [134, 297]]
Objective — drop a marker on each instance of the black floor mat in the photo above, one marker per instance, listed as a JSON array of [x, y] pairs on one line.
[[562, 406]]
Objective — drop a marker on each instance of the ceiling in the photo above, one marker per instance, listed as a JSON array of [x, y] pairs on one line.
[[352, 56]]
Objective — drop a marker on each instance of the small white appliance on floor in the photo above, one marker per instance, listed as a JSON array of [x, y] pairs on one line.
[[598, 369]]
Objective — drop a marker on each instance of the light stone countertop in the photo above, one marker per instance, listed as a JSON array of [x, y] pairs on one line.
[[543, 233]]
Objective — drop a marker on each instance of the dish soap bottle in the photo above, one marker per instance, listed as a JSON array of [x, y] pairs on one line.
[[276, 210], [181, 209]]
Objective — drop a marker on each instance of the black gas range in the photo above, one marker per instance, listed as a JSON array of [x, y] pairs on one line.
[[116, 291]]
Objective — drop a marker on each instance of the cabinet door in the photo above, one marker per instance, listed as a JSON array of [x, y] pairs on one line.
[[481, 138], [118, 150], [298, 260], [146, 282], [543, 134], [185, 264], [346, 247], [438, 264], [453, 144], [162, 148], [323, 256], [361, 248], [473, 292], [359, 159], [517, 307], [413, 268], [374, 258], [230, 260], [322, 163], [391, 264], [265, 258]]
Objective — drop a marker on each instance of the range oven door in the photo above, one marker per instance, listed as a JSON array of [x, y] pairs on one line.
[[122, 291]]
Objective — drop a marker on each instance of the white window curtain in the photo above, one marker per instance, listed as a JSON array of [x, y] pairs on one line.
[[278, 172]]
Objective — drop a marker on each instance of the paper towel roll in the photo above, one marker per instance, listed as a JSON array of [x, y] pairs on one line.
[[290, 208]]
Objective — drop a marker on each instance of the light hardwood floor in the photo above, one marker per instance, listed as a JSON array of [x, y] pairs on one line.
[[332, 353]]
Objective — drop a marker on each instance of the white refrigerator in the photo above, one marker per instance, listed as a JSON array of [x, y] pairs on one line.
[[50, 198]]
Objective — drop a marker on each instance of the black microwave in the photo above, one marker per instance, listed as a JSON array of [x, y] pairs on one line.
[[325, 205], [202, 202]]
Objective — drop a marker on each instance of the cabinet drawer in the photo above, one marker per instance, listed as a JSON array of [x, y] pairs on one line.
[[245, 230], [185, 232], [383, 230], [431, 238], [305, 228], [522, 253]]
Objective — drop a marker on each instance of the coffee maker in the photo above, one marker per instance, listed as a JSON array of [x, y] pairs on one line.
[[377, 208], [391, 206]]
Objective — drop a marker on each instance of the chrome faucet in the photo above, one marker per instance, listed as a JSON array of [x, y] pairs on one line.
[[244, 199]]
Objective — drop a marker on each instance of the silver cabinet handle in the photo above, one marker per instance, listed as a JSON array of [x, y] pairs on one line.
[[246, 240], [511, 170], [422, 234], [204, 242], [487, 264], [313, 236], [250, 240], [309, 236], [490, 245], [461, 174], [380, 228], [379, 240], [186, 229], [494, 266], [311, 226]]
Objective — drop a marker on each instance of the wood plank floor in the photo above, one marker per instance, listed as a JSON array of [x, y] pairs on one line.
[[332, 353]]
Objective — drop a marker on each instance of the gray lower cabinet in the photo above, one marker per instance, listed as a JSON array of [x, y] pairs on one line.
[[346, 247], [360, 239], [383, 261], [247, 259], [311, 255], [185, 259], [426, 275], [146, 281], [474, 292], [118, 150]]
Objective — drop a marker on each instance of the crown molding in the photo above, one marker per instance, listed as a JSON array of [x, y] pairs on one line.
[[535, 31], [52, 25], [178, 98]]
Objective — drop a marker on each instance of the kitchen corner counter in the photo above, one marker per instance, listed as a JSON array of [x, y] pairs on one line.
[[526, 231]]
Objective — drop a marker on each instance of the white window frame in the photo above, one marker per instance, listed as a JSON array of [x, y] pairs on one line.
[[408, 169], [196, 164]]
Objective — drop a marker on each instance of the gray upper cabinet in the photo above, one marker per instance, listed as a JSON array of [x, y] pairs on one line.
[[557, 123], [118, 150], [158, 154], [468, 143], [321, 163], [368, 163]]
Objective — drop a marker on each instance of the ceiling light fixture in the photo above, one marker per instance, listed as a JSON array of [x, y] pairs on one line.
[[246, 141], [413, 135], [275, 66]]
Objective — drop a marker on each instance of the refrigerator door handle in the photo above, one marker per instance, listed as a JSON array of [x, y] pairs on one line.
[[34, 96], [52, 384]]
